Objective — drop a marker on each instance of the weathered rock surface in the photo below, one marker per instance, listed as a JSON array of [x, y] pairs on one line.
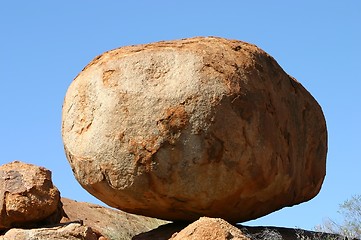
[[110, 223], [27, 196], [210, 229], [195, 127], [167, 231], [73, 231]]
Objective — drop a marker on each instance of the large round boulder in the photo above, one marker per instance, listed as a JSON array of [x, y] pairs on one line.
[[194, 127]]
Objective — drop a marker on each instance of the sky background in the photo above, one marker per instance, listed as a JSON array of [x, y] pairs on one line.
[[45, 44]]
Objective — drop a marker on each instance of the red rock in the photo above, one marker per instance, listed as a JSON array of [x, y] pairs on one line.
[[27, 196], [195, 127]]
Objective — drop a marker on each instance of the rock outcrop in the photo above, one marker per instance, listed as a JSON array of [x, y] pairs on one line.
[[110, 223], [195, 127], [28, 197], [208, 228], [73, 231]]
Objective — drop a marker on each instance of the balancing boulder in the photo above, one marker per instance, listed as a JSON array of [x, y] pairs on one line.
[[195, 127]]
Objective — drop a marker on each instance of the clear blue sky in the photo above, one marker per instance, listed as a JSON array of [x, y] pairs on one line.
[[45, 44]]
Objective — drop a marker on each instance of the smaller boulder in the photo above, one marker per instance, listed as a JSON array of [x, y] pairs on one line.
[[210, 229], [28, 197]]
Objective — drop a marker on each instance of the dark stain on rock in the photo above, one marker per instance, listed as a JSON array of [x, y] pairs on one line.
[[108, 80], [175, 119]]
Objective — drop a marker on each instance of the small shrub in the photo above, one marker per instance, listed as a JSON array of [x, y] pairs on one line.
[[350, 228], [266, 234]]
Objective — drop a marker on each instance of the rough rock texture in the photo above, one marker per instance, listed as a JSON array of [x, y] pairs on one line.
[[195, 127], [210, 229], [73, 231], [110, 223], [27, 196], [166, 231]]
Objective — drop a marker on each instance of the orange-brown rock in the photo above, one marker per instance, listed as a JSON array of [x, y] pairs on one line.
[[209, 229], [27, 196], [195, 127], [106, 222]]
